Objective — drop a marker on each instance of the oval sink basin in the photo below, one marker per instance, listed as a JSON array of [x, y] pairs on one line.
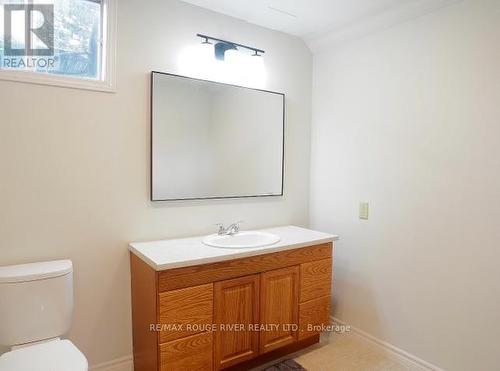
[[241, 240]]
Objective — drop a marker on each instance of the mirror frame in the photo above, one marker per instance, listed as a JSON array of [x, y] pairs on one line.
[[152, 199]]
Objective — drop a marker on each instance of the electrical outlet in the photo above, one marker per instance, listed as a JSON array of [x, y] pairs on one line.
[[363, 210]]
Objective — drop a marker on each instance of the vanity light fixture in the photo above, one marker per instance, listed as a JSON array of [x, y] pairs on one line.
[[222, 46]]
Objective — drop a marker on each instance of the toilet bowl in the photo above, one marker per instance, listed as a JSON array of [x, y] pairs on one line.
[[36, 307]]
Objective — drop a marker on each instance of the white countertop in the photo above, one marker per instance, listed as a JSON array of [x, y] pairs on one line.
[[183, 252]]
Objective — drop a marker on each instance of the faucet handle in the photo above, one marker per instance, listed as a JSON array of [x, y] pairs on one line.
[[221, 227], [237, 225]]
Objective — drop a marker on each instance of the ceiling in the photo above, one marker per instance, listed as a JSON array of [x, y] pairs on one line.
[[315, 21]]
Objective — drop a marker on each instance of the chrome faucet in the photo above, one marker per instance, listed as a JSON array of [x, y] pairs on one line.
[[230, 230]]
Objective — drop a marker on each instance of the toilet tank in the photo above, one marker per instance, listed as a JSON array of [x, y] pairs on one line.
[[36, 301]]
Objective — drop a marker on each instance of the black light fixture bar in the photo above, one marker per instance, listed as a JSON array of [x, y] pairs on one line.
[[257, 51]]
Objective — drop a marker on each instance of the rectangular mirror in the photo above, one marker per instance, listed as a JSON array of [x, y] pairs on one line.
[[214, 140]]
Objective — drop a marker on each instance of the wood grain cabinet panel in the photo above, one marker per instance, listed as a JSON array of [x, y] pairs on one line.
[[315, 279], [279, 304], [236, 311], [185, 312], [193, 353], [144, 293], [313, 314]]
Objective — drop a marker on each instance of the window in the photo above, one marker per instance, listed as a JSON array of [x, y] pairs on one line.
[[58, 42]]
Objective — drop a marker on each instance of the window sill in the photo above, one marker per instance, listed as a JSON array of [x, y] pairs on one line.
[[60, 81]]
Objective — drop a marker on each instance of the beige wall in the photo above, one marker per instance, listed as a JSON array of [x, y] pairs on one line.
[[409, 120], [74, 165]]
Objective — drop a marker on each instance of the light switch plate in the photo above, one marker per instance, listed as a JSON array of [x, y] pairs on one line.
[[363, 210]]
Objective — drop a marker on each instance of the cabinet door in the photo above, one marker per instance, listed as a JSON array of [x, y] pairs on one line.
[[279, 305], [236, 312]]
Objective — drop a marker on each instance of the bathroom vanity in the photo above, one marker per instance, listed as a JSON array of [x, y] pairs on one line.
[[197, 307]]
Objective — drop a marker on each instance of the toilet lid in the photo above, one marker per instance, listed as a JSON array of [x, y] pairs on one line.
[[56, 355]]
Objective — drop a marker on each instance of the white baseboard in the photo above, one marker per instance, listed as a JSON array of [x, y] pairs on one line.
[[400, 354], [120, 364]]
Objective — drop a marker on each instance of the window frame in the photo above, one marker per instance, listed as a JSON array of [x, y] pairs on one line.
[[107, 81]]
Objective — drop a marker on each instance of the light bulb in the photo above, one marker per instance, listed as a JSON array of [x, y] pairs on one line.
[[197, 60], [206, 51], [256, 75]]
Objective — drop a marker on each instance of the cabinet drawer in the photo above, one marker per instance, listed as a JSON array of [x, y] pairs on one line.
[[193, 353], [315, 312], [205, 273], [315, 279], [185, 312]]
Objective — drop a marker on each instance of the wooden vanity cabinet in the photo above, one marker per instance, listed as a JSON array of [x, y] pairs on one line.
[[231, 314]]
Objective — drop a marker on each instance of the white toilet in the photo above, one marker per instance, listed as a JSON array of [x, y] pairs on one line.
[[36, 308]]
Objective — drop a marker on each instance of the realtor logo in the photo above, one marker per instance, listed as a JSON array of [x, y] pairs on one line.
[[38, 29]]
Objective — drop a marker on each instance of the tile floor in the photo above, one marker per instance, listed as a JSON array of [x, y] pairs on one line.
[[348, 352]]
